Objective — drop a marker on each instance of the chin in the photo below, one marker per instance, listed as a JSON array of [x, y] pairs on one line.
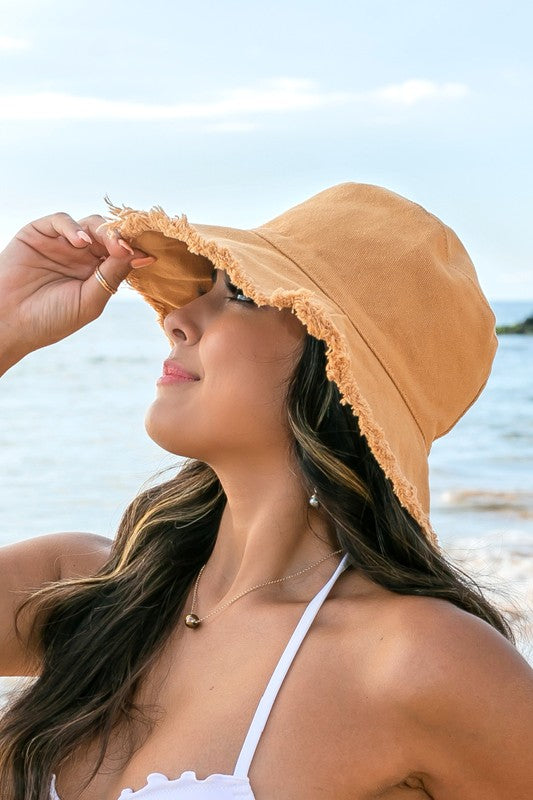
[[158, 430], [162, 429]]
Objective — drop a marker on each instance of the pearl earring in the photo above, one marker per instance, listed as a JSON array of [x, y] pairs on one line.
[[313, 500]]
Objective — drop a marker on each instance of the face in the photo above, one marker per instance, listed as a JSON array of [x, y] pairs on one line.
[[243, 354]]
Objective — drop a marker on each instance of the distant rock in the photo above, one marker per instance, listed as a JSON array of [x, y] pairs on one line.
[[521, 327]]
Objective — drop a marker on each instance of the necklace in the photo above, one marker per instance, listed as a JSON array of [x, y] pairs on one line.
[[192, 621]]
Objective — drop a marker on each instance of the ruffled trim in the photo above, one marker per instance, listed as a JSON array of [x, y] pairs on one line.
[[187, 779], [132, 223]]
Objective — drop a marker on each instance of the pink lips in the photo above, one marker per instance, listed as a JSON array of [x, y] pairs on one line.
[[173, 372]]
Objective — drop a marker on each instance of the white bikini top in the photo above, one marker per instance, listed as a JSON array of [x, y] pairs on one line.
[[231, 787]]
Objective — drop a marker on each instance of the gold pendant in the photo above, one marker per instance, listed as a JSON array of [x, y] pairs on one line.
[[192, 621]]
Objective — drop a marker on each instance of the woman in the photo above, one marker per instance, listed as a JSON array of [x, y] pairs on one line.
[[305, 409]]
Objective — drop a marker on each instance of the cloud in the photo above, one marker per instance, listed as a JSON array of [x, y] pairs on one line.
[[279, 95], [413, 91], [13, 43]]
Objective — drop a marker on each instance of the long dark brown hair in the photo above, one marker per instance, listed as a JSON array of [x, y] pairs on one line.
[[99, 635]]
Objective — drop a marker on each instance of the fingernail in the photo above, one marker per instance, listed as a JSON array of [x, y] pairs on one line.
[[126, 246], [142, 262], [85, 237]]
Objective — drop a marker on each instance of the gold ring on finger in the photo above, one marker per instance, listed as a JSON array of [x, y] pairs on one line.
[[102, 281]]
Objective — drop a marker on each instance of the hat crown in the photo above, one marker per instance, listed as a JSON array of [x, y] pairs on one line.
[[407, 284]]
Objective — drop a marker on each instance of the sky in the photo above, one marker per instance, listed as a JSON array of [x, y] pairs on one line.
[[231, 112]]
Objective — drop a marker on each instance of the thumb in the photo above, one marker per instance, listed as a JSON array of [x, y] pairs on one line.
[[94, 294]]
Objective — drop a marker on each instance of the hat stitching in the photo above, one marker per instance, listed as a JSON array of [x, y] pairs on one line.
[[485, 306], [338, 368], [384, 364]]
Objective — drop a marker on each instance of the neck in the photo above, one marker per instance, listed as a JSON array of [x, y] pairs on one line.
[[265, 535]]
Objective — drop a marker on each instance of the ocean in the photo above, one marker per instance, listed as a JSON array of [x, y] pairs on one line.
[[74, 451]]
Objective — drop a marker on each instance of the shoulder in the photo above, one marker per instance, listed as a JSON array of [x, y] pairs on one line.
[[25, 567], [445, 642], [432, 634], [81, 554], [461, 694]]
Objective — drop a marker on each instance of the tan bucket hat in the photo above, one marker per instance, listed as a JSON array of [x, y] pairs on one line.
[[389, 288]]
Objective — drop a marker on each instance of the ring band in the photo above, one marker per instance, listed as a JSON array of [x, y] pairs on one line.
[[100, 278]]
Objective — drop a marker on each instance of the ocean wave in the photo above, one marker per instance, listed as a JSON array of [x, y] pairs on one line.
[[516, 503]]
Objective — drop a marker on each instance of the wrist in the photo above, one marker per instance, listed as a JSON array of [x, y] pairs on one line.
[[11, 347]]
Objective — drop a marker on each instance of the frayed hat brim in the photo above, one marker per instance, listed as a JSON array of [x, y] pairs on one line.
[[185, 254]]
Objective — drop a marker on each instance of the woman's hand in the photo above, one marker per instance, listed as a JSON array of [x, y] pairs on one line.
[[47, 285]]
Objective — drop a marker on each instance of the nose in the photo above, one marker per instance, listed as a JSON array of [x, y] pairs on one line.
[[183, 323], [175, 325]]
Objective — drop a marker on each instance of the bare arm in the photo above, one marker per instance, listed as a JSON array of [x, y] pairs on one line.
[[47, 292], [466, 695], [28, 565]]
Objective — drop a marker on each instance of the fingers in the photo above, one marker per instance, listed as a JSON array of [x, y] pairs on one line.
[[60, 224], [117, 256], [107, 241], [115, 265], [88, 233], [94, 294], [84, 234]]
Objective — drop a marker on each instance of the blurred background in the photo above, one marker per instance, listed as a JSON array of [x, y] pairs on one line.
[[231, 113]]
